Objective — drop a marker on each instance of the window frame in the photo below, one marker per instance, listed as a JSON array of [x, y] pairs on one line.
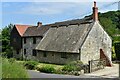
[[17, 51], [44, 54], [64, 55], [34, 52], [34, 40], [25, 52], [24, 40]]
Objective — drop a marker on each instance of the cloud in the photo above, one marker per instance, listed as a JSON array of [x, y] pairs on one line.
[[52, 8], [47, 8], [61, 8]]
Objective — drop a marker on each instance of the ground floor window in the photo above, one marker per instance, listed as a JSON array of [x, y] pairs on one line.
[[34, 52], [44, 54], [63, 55], [17, 51]]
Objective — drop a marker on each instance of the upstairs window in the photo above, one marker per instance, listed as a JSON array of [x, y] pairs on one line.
[[24, 40], [34, 52], [34, 40], [24, 51]]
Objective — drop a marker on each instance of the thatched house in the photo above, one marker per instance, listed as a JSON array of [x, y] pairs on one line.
[[63, 42]]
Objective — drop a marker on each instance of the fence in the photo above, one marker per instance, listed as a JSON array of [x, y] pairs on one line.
[[96, 65]]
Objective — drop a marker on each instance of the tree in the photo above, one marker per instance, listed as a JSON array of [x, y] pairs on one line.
[[7, 50]]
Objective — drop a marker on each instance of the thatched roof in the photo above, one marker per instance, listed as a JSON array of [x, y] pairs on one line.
[[66, 38]]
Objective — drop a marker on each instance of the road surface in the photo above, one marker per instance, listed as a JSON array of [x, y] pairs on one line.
[[108, 72], [36, 74]]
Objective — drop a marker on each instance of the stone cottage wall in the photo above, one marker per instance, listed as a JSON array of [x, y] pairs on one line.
[[55, 57], [16, 55], [96, 40], [29, 46]]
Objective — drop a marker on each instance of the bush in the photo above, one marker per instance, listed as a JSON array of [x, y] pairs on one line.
[[30, 64], [47, 69], [73, 66], [69, 68], [13, 70], [12, 60]]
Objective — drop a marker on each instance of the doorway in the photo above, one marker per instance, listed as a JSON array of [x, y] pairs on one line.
[[103, 56]]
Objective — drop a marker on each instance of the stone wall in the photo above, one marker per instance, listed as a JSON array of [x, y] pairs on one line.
[[29, 46], [16, 55], [96, 40], [54, 57]]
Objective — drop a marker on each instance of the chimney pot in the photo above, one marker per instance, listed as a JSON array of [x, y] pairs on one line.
[[95, 12], [94, 4], [39, 24]]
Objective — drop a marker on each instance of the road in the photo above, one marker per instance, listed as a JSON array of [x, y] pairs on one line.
[[108, 72], [36, 74]]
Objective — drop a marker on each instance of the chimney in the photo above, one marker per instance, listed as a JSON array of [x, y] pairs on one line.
[[95, 12], [39, 24]]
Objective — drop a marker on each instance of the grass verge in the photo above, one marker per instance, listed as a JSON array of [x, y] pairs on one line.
[[13, 69]]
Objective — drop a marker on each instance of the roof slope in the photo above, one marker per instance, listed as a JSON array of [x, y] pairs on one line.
[[22, 28], [40, 31], [65, 39], [36, 31]]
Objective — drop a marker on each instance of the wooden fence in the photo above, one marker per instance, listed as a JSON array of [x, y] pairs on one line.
[[96, 65]]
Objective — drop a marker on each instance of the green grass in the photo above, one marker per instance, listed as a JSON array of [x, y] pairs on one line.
[[13, 70], [54, 65], [40, 65]]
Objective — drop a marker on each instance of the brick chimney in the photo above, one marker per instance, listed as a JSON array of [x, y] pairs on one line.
[[95, 12], [39, 24]]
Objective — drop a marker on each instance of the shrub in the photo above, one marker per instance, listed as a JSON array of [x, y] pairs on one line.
[[47, 69], [73, 66], [12, 60], [113, 53], [69, 68], [13, 70], [30, 64]]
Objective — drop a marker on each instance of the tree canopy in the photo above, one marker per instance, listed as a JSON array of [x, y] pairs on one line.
[[5, 40]]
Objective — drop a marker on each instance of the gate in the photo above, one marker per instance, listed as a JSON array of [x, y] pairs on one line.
[[96, 65]]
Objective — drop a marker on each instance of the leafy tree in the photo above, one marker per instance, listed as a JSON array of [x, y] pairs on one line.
[[7, 50]]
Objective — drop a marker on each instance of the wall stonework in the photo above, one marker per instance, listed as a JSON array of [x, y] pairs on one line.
[[18, 56], [55, 57], [29, 46], [97, 39]]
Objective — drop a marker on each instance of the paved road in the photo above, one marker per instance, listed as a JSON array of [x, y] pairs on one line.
[[36, 74], [108, 72]]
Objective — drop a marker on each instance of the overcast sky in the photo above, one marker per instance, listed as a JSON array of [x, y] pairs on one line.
[[48, 12]]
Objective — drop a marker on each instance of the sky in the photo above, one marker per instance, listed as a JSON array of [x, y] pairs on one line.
[[30, 13]]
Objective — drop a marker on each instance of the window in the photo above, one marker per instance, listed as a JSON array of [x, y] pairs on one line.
[[34, 53], [63, 55], [17, 51], [24, 40], [24, 51], [44, 54], [34, 40], [52, 54], [14, 39]]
